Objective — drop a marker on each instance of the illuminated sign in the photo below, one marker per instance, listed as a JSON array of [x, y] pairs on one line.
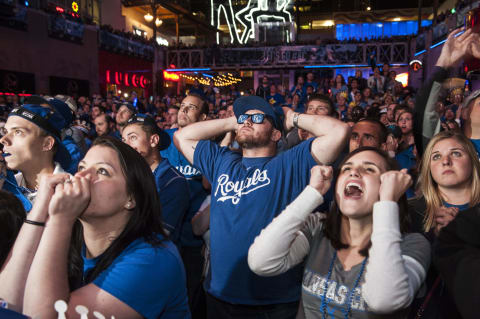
[[171, 76], [256, 11], [59, 9], [416, 65], [251, 14], [75, 7], [126, 79], [403, 78]]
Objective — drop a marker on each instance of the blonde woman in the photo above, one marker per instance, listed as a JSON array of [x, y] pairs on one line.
[[449, 183]]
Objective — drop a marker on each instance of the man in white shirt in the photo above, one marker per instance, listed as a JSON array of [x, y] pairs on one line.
[[32, 146]]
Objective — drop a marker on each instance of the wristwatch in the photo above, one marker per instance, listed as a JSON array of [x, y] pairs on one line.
[[295, 119]]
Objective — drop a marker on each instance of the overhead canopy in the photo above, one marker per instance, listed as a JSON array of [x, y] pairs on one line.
[[168, 11]]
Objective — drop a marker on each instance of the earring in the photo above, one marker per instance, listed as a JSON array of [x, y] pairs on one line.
[[129, 204]]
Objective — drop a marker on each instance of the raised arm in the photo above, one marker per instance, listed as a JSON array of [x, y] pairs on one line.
[[15, 271], [392, 277], [186, 139], [283, 244], [331, 134]]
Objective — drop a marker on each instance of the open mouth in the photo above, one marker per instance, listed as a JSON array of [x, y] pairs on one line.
[[353, 190]]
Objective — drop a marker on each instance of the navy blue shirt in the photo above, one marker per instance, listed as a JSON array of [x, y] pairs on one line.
[[174, 196], [276, 100], [247, 193], [195, 187]]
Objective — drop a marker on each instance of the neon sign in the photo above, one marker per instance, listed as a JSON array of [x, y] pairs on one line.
[[171, 76], [126, 79], [254, 12]]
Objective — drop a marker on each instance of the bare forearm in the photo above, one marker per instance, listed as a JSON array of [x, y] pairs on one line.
[[15, 270], [332, 135], [48, 279], [206, 129], [187, 138], [322, 125]]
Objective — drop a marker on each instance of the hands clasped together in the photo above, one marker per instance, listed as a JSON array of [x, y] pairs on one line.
[[66, 196]]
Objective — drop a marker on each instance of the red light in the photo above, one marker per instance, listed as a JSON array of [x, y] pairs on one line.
[[126, 79], [60, 9], [142, 81], [134, 83], [118, 78]]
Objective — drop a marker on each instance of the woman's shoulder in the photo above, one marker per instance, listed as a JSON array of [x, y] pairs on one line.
[[145, 252]]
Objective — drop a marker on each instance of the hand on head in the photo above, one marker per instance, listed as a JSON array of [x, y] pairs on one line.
[[394, 184], [321, 178]]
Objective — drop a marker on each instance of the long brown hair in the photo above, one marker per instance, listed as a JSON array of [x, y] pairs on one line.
[[333, 222]]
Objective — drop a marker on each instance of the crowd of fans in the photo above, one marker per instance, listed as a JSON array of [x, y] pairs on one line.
[[336, 198]]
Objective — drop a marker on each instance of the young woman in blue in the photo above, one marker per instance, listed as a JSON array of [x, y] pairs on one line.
[[449, 178], [449, 183], [96, 239]]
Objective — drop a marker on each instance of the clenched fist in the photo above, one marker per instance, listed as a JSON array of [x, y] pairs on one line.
[[321, 178]]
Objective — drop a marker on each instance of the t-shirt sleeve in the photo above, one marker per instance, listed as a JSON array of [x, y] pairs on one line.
[[207, 157], [147, 279], [302, 154]]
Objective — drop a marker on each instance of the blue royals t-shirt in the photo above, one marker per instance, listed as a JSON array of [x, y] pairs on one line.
[[197, 192], [247, 193]]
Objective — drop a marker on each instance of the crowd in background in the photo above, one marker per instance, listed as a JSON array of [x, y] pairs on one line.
[[258, 189]]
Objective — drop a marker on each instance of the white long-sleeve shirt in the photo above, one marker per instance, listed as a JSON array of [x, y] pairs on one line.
[[393, 273]]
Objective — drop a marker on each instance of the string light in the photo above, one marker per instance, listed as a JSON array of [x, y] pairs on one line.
[[218, 80]]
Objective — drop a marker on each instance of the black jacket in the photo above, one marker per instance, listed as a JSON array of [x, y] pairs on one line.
[[457, 258]]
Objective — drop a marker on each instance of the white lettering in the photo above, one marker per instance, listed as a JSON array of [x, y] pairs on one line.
[[230, 190]]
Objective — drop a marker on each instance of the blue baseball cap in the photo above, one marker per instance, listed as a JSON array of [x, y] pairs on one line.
[[64, 110], [145, 119], [59, 105], [252, 102], [50, 121]]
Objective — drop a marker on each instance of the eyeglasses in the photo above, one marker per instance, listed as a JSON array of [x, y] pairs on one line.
[[257, 118]]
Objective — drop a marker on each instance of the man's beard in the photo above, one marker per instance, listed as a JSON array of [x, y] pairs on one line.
[[249, 141]]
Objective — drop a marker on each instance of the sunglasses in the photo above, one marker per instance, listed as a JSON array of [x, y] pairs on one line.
[[257, 118]]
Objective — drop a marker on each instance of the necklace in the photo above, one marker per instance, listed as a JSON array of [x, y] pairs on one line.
[[323, 305]]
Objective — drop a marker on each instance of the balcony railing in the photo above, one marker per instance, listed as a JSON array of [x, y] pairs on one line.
[[329, 55]]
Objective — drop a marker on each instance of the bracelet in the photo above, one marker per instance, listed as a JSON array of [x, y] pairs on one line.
[[32, 222], [295, 119]]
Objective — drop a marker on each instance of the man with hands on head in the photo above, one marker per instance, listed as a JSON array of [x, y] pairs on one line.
[[248, 191]]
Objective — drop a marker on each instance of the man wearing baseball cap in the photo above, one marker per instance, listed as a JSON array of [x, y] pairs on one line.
[[248, 191], [142, 133], [32, 146]]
